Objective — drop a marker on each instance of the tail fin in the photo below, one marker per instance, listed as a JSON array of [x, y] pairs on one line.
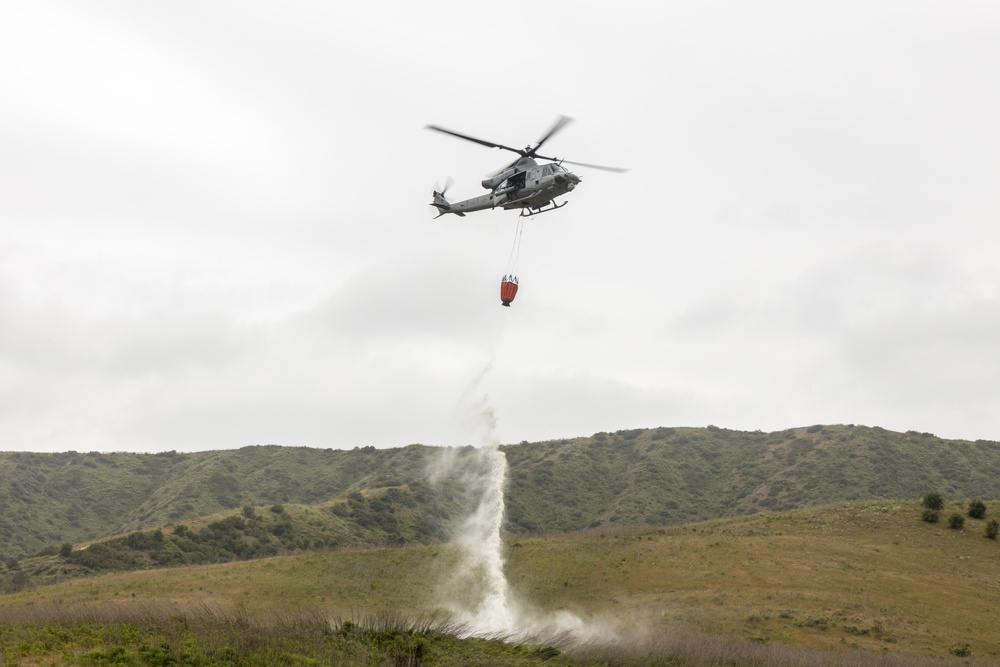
[[442, 205]]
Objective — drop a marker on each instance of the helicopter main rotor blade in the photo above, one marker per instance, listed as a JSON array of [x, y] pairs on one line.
[[528, 151], [617, 170], [481, 142], [561, 122]]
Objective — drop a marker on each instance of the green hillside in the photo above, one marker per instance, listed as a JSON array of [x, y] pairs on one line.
[[48, 499], [676, 475], [387, 517], [657, 476]]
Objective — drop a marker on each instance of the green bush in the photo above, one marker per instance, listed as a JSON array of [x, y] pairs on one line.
[[977, 509], [956, 521], [992, 529], [933, 501], [931, 516], [230, 524], [140, 541], [962, 651]]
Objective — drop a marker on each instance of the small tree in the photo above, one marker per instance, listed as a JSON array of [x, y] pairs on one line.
[[933, 501], [977, 509], [956, 521], [931, 516], [992, 529], [20, 581], [66, 550]]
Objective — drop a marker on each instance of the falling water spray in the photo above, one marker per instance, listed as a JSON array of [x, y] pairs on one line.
[[477, 592], [482, 549]]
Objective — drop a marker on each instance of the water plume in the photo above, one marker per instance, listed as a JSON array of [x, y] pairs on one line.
[[479, 539], [477, 592]]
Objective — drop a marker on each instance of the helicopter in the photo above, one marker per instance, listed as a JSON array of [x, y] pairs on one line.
[[523, 184]]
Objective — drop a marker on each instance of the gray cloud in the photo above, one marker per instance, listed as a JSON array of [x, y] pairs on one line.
[[214, 227]]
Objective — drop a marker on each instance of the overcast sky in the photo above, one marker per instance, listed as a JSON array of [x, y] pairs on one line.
[[215, 231]]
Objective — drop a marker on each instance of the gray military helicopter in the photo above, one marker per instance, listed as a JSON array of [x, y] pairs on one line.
[[523, 184]]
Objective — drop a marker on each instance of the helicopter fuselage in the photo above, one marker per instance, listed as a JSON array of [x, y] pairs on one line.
[[530, 186]]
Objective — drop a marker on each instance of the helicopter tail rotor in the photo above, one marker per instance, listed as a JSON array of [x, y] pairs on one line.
[[440, 203], [447, 184]]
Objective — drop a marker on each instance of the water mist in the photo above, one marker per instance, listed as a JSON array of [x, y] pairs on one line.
[[477, 592], [480, 542]]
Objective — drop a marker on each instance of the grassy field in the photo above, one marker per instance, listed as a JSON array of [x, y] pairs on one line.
[[869, 577]]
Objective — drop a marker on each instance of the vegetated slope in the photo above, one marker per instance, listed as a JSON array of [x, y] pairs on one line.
[[861, 575], [383, 517], [675, 475], [49, 499], [641, 476]]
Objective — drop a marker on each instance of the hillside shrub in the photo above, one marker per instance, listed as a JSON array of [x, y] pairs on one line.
[[931, 516], [140, 541], [977, 509], [956, 522], [992, 529], [20, 581], [107, 556], [933, 501], [228, 525]]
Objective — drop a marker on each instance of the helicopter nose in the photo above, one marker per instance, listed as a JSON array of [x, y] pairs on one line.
[[568, 177]]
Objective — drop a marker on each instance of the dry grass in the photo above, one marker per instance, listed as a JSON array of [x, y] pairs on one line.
[[691, 649], [225, 634], [869, 577], [852, 584]]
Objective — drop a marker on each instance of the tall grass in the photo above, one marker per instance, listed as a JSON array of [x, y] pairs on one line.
[[162, 633], [211, 633], [206, 633]]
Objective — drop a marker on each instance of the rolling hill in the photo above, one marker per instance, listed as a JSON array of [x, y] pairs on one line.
[[661, 476]]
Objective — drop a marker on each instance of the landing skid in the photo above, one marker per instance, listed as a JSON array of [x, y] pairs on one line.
[[541, 210]]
